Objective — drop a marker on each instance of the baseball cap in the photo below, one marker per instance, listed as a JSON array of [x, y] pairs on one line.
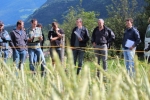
[[1, 23]]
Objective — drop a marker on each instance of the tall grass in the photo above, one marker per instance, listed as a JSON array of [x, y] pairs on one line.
[[62, 83]]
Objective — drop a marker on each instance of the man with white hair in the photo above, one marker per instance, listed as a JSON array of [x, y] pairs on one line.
[[102, 36]]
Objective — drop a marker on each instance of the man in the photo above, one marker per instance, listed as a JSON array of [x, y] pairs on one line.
[[101, 37], [34, 39], [4, 39], [19, 43], [79, 39], [55, 36], [130, 40]]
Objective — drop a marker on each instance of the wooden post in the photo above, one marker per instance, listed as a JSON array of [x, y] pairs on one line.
[[63, 49]]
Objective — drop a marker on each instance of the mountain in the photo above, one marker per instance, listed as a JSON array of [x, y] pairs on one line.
[[13, 10], [54, 9]]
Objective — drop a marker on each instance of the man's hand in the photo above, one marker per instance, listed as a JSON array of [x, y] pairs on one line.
[[53, 39], [131, 48], [80, 39], [40, 38], [94, 44]]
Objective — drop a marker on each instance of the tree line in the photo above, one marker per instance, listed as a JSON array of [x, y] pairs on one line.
[[118, 11]]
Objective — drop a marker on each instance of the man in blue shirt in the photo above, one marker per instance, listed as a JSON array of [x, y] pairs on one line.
[[19, 43], [130, 41]]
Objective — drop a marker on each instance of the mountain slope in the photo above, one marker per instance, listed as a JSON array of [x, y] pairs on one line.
[[13, 10], [54, 9]]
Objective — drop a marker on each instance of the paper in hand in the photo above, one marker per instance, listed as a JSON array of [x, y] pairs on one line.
[[129, 43], [77, 35], [36, 39], [37, 35]]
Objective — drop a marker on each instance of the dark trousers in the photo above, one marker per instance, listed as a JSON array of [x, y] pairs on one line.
[[78, 54], [58, 50]]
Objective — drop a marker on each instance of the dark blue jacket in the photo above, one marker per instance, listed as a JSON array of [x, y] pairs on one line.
[[4, 39], [19, 42], [133, 35], [84, 34]]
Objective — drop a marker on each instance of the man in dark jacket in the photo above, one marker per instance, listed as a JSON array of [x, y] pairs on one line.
[[19, 43], [79, 39], [4, 40], [102, 36], [130, 41]]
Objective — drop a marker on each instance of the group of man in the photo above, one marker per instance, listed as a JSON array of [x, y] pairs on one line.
[[102, 36], [19, 39], [101, 39]]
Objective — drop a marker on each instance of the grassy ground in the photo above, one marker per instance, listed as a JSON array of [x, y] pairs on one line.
[[61, 84]]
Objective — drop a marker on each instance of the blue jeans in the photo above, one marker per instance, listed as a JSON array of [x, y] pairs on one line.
[[19, 57], [5, 54], [40, 57], [129, 59], [80, 55]]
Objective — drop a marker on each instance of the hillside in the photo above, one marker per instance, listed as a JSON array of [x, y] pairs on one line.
[[54, 9]]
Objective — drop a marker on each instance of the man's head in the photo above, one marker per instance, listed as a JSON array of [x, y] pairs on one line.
[[20, 25], [129, 22], [1, 25], [79, 22], [100, 23], [55, 25], [34, 23]]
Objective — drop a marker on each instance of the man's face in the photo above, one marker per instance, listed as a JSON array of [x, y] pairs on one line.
[[34, 24], [128, 24], [21, 26], [55, 26], [100, 23], [78, 23], [1, 26]]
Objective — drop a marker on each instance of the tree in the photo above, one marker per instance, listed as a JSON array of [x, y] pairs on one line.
[[118, 11], [89, 21]]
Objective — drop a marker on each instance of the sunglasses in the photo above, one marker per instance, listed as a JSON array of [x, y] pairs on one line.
[[1, 25]]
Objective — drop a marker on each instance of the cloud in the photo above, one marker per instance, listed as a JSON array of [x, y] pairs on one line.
[[23, 17], [27, 10]]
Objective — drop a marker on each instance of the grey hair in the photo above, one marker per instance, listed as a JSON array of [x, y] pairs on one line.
[[79, 19], [101, 20]]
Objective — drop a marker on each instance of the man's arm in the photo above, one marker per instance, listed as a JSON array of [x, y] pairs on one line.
[[11, 43]]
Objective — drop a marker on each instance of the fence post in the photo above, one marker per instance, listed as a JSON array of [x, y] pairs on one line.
[[63, 49]]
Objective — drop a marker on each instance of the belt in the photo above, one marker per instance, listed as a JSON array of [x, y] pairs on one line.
[[101, 44]]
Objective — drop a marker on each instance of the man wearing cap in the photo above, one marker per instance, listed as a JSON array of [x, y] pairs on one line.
[[4, 39], [131, 39]]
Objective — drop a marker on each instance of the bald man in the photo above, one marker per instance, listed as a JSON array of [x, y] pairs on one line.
[[101, 37]]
